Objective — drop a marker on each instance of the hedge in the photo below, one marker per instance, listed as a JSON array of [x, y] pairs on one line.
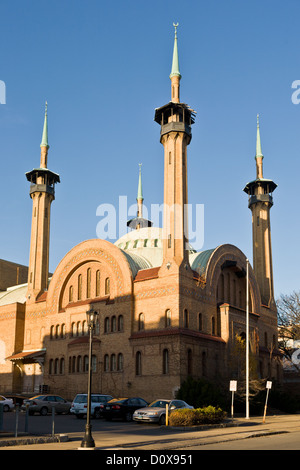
[[187, 417]]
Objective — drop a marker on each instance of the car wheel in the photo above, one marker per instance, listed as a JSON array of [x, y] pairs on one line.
[[5, 408], [128, 417], [162, 420], [97, 413], [44, 411]]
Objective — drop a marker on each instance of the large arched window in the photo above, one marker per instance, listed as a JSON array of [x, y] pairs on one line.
[[113, 324], [107, 286], [88, 283], [113, 364], [79, 291], [97, 283]]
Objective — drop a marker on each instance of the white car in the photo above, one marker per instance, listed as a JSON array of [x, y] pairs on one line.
[[79, 404], [156, 411], [7, 403]]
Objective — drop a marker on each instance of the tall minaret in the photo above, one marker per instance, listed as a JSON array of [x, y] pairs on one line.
[[260, 202], [175, 119], [42, 194]]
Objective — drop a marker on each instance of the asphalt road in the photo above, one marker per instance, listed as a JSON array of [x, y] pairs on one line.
[[277, 433]]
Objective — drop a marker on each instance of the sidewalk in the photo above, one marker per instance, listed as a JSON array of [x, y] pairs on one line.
[[167, 438]]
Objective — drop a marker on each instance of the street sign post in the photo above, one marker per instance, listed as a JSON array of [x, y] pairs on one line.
[[232, 388], [268, 387]]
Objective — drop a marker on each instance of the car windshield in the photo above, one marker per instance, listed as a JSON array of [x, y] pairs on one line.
[[80, 399], [159, 404]]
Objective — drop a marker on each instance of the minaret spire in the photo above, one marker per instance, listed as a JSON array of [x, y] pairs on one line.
[[175, 75], [259, 156], [44, 144], [140, 198]]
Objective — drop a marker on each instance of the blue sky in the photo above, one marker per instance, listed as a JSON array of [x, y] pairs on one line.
[[104, 67]]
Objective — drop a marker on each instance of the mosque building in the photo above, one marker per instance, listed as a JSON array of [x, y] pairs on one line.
[[164, 311]]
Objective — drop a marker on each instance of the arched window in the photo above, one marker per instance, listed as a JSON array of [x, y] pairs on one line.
[[168, 318], [213, 325], [113, 364], [113, 324], [73, 364], [120, 323], [200, 322], [107, 286], [79, 328], [71, 294], [51, 366], [85, 329], [63, 331], [120, 362], [79, 364], [141, 321], [97, 283], [73, 329], [165, 361], [56, 366], [62, 366], [106, 363], [186, 318], [57, 331], [106, 325], [138, 363], [52, 329], [79, 292], [88, 283]]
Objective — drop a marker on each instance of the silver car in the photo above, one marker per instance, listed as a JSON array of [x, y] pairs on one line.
[[7, 403], [156, 411], [43, 404]]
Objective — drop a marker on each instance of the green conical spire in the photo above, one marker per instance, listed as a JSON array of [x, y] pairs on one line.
[[44, 142], [258, 143], [175, 62], [140, 190]]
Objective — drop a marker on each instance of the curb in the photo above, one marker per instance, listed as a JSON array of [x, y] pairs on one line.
[[20, 441]]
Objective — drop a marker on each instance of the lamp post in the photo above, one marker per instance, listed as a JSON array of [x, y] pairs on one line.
[[247, 341], [88, 441]]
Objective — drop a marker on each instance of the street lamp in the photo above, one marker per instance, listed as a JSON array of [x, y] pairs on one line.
[[88, 441], [247, 340]]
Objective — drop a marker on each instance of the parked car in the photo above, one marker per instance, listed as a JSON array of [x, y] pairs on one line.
[[7, 403], [122, 408], [79, 404], [156, 411], [43, 404]]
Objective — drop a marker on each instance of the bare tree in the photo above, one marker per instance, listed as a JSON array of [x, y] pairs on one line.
[[288, 307]]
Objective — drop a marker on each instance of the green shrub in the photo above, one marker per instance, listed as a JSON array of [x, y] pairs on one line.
[[206, 415], [201, 393]]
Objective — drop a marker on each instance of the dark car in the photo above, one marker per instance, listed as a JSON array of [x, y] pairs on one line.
[[122, 408]]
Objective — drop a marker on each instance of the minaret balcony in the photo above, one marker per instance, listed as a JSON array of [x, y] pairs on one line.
[[268, 198], [41, 188], [175, 126]]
